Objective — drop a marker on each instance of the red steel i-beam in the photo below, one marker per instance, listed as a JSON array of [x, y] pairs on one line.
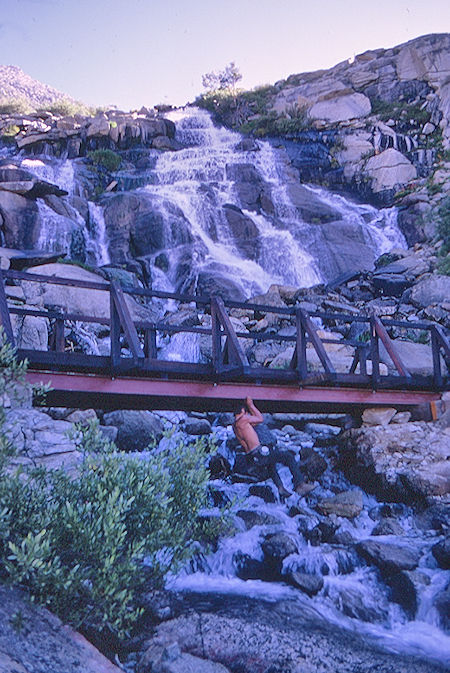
[[104, 392]]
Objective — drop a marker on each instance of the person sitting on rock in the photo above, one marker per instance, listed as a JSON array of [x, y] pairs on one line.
[[262, 460]]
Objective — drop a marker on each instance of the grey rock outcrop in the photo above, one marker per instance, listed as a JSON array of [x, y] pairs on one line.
[[32, 640], [408, 461], [40, 440]]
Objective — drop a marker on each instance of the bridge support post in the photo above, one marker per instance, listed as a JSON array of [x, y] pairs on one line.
[[5, 319]]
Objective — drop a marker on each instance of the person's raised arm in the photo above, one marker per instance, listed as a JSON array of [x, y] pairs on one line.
[[254, 416]]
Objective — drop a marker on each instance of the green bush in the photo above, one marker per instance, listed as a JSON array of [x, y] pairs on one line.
[[107, 159], [77, 543]]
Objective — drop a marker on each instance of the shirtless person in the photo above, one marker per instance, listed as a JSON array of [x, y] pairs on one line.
[[261, 457]]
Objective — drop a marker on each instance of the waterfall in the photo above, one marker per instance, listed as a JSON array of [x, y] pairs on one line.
[[65, 230], [301, 235], [97, 243]]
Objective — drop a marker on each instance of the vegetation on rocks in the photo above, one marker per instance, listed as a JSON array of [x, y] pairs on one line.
[[78, 543], [106, 159]]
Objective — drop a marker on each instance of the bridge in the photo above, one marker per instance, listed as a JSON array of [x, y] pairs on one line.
[[132, 374]]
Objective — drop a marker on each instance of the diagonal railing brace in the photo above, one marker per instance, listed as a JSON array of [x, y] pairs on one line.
[[121, 318], [232, 353]]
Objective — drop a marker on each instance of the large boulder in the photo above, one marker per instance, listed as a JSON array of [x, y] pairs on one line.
[[417, 357], [389, 169], [390, 558], [342, 108], [137, 430], [431, 290], [141, 223], [407, 461], [82, 301], [40, 440], [19, 220]]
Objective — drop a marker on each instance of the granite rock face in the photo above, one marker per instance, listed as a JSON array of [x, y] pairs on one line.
[[32, 640], [408, 461]]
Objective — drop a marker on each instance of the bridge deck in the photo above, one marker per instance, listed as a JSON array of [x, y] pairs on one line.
[[126, 392], [133, 375]]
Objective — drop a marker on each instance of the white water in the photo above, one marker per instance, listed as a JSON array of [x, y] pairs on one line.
[[97, 242], [353, 597], [57, 228]]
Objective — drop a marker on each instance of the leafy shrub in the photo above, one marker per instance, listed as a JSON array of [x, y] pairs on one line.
[[107, 159], [77, 543]]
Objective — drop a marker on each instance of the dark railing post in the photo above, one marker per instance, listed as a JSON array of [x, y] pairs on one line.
[[435, 350], [115, 331], [150, 350], [216, 336], [374, 353], [302, 365], [5, 319], [59, 335]]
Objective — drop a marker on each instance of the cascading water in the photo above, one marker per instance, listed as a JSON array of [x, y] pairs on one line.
[[66, 230], [354, 595], [285, 247]]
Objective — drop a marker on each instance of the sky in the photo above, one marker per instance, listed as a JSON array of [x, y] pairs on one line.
[[131, 53]]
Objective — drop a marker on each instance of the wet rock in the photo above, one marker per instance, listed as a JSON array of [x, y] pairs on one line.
[[312, 464], [435, 517], [354, 603], [441, 552], [263, 491], [276, 547], [244, 230], [252, 518], [442, 603], [20, 220], [343, 537], [252, 636], [388, 557], [406, 587], [136, 429], [388, 526], [249, 568], [197, 426], [347, 504], [309, 584]]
